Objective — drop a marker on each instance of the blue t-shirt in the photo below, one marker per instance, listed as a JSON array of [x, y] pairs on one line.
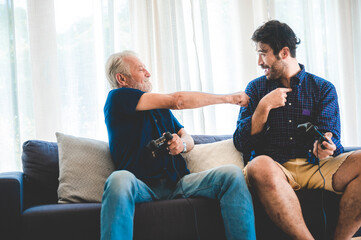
[[312, 99], [129, 131]]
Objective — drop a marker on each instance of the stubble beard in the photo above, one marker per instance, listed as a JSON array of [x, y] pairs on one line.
[[277, 71]]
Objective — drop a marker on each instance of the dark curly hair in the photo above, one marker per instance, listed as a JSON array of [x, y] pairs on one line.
[[277, 35]]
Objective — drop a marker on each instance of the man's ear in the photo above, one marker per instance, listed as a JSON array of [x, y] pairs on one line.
[[120, 80], [284, 53]]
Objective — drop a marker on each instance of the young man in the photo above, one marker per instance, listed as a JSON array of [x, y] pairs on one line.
[[134, 116], [280, 161]]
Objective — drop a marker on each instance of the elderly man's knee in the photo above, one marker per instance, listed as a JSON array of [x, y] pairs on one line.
[[230, 173], [120, 181]]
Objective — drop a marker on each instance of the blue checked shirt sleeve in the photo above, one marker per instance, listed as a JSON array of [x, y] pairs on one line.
[[328, 119], [242, 138]]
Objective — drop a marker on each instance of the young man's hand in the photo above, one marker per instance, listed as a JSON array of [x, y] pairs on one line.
[[275, 99], [329, 147]]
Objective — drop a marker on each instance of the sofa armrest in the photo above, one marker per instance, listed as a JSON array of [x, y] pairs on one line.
[[349, 149], [203, 139], [11, 204]]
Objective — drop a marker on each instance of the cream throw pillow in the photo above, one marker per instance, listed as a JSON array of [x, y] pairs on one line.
[[210, 155], [84, 166]]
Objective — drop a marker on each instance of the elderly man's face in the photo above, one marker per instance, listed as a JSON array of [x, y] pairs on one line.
[[139, 75]]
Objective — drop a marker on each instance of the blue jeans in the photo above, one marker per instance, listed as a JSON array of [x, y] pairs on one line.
[[226, 184]]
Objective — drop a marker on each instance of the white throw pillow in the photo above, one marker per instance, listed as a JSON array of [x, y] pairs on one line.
[[84, 166], [210, 155]]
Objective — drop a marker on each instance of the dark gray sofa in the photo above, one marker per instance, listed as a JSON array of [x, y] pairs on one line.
[[29, 208]]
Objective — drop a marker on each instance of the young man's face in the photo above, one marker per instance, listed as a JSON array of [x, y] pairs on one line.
[[273, 66], [139, 78]]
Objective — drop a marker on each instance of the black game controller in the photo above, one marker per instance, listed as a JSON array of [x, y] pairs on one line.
[[312, 130], [155, 146]]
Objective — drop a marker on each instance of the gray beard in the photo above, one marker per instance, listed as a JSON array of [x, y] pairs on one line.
[[146, 87]]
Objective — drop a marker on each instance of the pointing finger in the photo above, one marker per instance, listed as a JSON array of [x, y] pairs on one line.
[[287, 89]]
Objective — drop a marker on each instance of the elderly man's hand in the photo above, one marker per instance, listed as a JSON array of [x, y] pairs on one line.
[[175, 145], [240, 98]]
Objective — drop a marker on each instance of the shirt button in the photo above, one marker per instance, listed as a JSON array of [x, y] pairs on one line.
[[310, 150], [291, 138], [289, 104], [290, 121], [156, 120]]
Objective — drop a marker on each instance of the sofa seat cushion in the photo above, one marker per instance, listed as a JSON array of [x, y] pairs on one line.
[[62, 221], [177, 220], [168, 219]]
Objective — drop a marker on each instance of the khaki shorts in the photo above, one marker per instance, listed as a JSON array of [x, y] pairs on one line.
[[302, 174]]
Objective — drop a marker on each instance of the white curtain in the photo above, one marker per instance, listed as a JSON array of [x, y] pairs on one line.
[[53, 54], [197, 45], [330, 37]]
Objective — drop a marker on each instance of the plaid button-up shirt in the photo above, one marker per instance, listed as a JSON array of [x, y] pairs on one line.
[[312, 99]]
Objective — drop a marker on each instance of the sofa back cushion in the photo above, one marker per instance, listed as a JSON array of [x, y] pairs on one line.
[[41, 171], [210, 155], [84, 166]]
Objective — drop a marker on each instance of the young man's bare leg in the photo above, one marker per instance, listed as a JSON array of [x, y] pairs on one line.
[[348, 179], [277, 196]]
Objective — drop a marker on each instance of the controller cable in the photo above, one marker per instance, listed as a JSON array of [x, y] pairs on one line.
[[184, 196], [322, 197]]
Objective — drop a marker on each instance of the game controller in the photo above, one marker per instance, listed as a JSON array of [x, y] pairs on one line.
[[155, 146], [313, 131]]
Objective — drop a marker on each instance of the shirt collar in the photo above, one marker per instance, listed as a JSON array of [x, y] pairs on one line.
[[301, 75], [297, 79]]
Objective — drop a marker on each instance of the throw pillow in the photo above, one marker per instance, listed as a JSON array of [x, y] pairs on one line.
[[41, 172], [84, 166], [210, 155], [40, 163]]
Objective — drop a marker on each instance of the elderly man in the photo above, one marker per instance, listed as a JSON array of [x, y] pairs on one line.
[[134, 116], [281, 161]]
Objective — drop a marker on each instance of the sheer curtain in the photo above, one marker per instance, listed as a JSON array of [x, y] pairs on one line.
[[16, 89], [53, 54], [330, 39], [198, 46]]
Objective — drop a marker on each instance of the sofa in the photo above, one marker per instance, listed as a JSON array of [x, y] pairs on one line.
[[29, 207]]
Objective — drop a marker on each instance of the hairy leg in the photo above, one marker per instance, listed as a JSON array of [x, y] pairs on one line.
[[277, 196], [348, 179]]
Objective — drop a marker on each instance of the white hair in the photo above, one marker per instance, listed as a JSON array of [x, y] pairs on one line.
[[116, 64]]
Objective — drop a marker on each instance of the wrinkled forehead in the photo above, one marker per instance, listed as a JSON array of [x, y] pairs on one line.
[[133, 61]]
